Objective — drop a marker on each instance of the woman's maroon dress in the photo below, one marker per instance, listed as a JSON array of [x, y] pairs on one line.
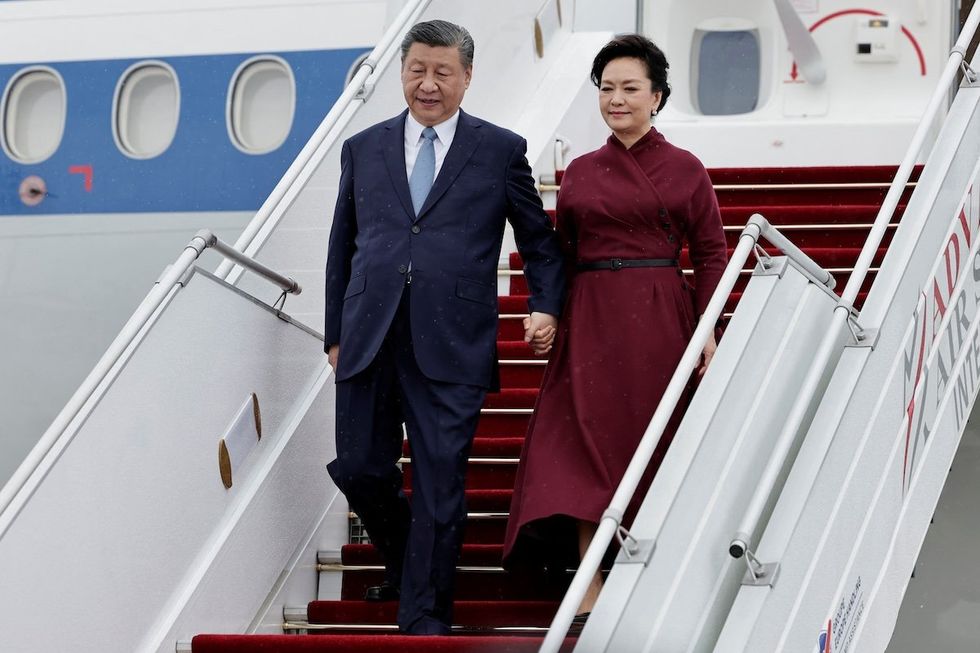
[[620, 337]]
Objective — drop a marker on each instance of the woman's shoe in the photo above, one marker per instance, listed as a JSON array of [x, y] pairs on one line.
[[578, 623]]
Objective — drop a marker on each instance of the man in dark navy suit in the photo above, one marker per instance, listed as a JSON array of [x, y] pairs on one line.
[[411, 312]]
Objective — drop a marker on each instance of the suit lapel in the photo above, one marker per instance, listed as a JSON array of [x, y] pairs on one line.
[[465, 142], [393, 146]]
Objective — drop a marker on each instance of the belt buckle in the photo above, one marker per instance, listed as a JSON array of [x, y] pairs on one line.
[[616, 263]]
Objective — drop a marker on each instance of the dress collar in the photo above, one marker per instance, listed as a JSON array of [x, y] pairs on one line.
[[651, 138]]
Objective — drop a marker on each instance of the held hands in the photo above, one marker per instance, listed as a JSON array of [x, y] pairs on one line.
[[539, 332], [707, 354]]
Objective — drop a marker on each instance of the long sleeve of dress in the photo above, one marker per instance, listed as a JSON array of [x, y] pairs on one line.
[[706, 242]]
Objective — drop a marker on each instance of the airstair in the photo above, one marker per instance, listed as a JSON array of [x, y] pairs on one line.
[[183, 489]]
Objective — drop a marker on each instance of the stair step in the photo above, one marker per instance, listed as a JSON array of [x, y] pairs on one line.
[[511, 398], [503, 447], [518, 286], [510, 326], [337, 643], [807, 175], [502, 424], [473, 555], [517, 350], [512, 303], [835, 256], [805, 217], [492, 462], [466, 614], [481, 474], [471, 584], [485, 503], [487, 512]]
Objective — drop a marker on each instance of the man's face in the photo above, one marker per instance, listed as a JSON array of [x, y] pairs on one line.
[[434, 82]]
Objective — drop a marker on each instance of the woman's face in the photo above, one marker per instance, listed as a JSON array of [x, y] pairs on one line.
[[626, 97]]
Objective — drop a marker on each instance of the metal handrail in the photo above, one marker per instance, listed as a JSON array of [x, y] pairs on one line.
[[841, 321], [356, 90], [610, 524], [288, 284], [157, 296]]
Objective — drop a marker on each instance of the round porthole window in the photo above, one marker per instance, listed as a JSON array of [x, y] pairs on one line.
[[33, 115], [261, 104], [146, 110]]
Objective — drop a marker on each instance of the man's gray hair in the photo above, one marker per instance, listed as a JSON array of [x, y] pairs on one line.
[[440, 34]]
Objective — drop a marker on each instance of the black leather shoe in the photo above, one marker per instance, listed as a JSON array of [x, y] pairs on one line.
[[383, 592]]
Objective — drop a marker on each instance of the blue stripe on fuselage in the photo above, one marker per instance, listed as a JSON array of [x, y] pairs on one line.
[[201, 170]]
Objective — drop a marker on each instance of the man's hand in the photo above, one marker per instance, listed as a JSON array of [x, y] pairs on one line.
[[332, 355], [539, 332]]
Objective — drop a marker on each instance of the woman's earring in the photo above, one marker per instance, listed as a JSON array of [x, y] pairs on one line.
[[653, 113]]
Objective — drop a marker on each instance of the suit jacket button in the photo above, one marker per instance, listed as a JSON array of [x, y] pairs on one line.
[[402, 269], [416, 229]]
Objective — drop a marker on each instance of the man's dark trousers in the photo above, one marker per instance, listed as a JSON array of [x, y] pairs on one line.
[[420, 546]]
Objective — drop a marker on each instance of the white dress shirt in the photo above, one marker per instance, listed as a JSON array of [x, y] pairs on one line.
[[445, 131]]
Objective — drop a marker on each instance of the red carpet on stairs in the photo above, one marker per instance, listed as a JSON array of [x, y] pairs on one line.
[[505, 613], [369, 644], [830, 223]]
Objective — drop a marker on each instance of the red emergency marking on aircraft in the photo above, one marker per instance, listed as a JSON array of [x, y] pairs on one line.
[[85, 170], [867, 12]]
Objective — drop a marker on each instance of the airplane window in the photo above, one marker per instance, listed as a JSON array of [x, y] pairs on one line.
[[727, 71], [261, 103], [146, 110], [33, 115]]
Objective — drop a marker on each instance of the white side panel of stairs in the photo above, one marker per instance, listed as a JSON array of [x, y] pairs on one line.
[[853, 513], [678, 601], [131, 530]]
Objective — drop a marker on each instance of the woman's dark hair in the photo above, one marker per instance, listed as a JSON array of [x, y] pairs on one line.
[[639, 47]]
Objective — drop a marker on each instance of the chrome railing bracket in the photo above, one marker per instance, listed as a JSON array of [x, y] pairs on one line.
[[365, 91], [186, 277], [861, 337], [969, 74], [771, 266], [759, 574], [639, 553]]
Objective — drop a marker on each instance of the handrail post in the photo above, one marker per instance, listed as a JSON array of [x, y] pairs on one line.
[[287, 284], [797, 255]]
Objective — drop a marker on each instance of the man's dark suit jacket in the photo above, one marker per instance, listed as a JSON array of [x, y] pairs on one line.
[[452, 248]]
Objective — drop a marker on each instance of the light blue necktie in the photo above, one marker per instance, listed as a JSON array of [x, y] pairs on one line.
[[424, 171]]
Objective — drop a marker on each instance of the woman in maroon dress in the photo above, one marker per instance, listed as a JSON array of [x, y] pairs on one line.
[[624, 213]]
